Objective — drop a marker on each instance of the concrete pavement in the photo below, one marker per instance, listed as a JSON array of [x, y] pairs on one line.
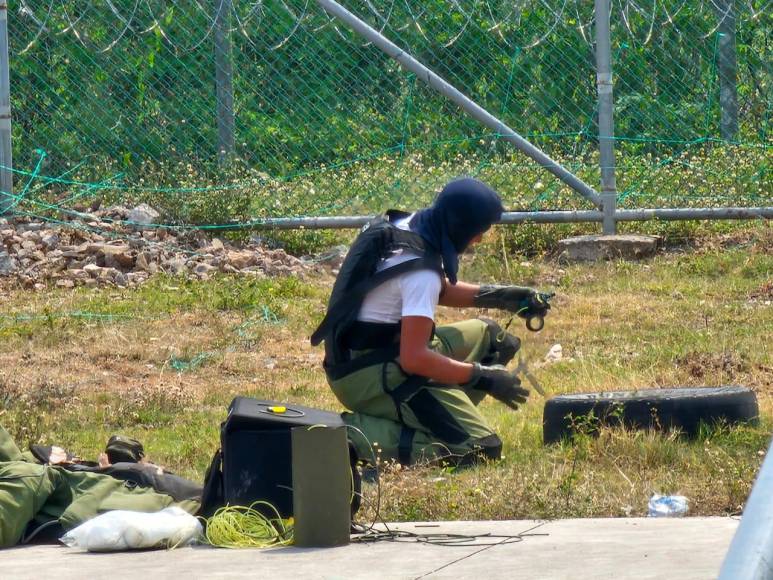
[[640, 548]]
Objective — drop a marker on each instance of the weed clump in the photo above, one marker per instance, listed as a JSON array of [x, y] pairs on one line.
[[29, 411], [149, 405]]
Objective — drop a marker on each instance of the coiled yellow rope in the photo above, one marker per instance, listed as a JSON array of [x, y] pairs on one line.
[[247, 527]]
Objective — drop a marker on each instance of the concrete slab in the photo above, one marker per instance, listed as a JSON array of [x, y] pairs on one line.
[[640, 548], [594, 248]]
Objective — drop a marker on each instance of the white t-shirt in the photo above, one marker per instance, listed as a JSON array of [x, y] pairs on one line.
[[410, 294]]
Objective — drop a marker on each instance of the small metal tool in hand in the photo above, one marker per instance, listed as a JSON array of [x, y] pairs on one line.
[[523, 370]]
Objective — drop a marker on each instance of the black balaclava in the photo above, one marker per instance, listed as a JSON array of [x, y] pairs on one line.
[[465, 208]]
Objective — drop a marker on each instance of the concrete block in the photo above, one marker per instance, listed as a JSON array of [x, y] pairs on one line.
[[595, 248]]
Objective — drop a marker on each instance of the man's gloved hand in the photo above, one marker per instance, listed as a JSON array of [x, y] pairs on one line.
[[525, 302], [500, 383], [537, 305]]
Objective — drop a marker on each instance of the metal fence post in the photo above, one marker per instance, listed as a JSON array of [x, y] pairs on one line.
[[750, 555], [727, 65], [6, 158], [606, 112], [224, 79]]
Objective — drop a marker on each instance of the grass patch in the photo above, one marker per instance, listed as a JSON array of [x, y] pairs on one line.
[[59, 313], [688, 317]]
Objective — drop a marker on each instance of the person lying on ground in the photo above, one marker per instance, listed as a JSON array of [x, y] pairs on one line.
[[40, 500]]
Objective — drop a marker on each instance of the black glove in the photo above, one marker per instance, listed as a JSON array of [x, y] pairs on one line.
[[526, 302], [500, 383]]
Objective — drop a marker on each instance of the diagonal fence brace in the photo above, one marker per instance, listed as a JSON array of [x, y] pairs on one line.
[[445, 88]]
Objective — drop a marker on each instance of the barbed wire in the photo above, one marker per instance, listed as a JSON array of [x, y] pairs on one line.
[[127, 23], [640, 18], [133, 80], [26, 11], [255, 9], [298, 21]]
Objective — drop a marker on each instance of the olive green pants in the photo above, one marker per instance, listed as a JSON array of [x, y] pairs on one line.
[[425, 421]]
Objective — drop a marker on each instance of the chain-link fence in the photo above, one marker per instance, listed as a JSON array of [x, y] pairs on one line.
[[222, 110]]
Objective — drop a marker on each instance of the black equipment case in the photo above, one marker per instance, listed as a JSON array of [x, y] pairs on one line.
[[256, 453]]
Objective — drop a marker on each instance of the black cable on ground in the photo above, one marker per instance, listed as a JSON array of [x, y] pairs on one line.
[[365, 534]]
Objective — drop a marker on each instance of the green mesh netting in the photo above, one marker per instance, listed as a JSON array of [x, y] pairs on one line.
[[119, 101]]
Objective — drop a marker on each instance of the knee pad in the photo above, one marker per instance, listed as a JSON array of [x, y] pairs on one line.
[[502, 344], [487, 448], [490, 447]]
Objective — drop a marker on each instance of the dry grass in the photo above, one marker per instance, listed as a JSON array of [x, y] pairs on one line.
[[161, 363]]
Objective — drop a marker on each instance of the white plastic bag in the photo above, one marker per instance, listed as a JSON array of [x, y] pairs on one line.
[[667, 506], [125, 530]]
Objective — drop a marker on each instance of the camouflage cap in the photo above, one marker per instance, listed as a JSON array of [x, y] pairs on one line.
[[121, 449]]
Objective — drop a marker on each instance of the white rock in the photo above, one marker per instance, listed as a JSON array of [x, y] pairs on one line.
[[174, 265], [142, 263], [334, 257], [8, 264], [109, 274], [78, 274], [143, 214], [50, 239], [74, 251], [57, 264], [92, 270], [241, 260], [137, 277], [214, 247], [203, 270], [112, 255], [555, 354], [116, 212]]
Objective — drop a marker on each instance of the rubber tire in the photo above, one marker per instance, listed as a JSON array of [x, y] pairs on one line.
[[685, 409]]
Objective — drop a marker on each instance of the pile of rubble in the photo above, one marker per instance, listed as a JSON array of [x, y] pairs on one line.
[[119, 246]]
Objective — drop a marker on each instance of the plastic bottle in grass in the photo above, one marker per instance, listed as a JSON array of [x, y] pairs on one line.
[[667, 506]]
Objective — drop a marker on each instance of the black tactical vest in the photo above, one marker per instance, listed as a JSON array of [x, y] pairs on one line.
[[377, 240]]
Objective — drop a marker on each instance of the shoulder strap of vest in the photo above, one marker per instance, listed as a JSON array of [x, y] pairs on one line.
[[358, 292], [401, 238], [397, 237]]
